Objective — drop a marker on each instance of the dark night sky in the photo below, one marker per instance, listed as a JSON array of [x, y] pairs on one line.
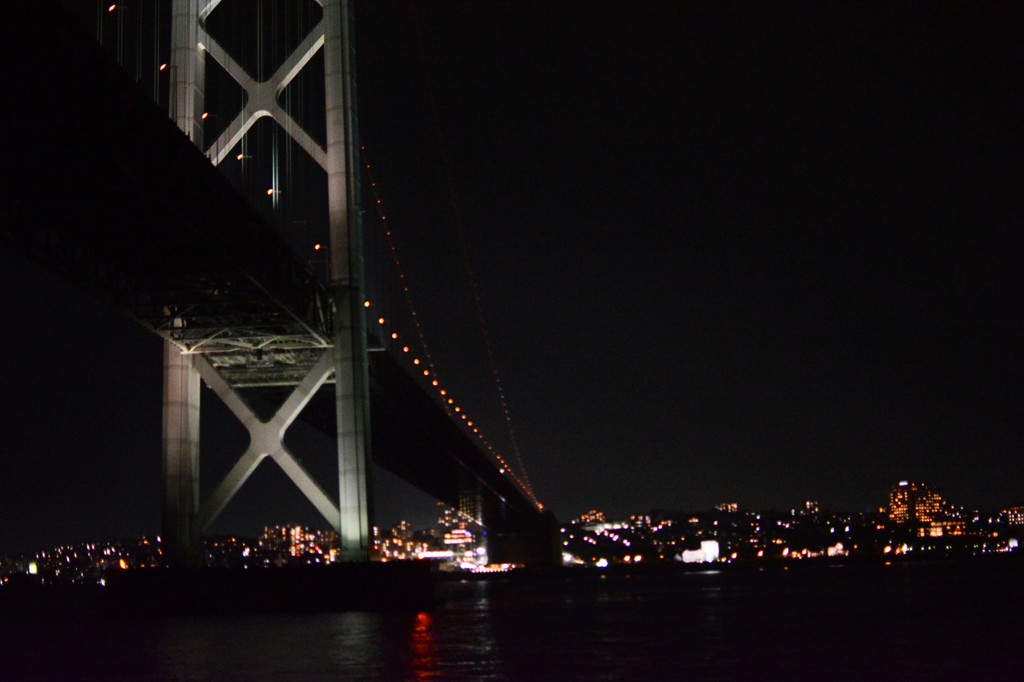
[[726, 252]]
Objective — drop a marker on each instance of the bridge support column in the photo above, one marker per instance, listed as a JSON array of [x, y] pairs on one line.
[[187, 71], [352, 412], [350, 363], [181, 381], [180, 458], [338, 158]]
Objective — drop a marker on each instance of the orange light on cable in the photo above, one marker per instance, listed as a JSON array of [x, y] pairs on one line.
[[112, 8], [380, 320], [366, 304], [270, 192], [405, 349], [163, 67], [206, 115], [394, 335], [316, 247], [458, 409]]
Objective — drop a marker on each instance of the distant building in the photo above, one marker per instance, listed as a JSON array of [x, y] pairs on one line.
[[1015, 515], [449, 518], [809, 510], [914, 502], [592, 516], [291, 544], [402, 531], [708, 552], [400, 543]]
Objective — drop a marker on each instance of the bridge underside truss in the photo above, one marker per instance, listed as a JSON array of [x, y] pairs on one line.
[[146, 224]]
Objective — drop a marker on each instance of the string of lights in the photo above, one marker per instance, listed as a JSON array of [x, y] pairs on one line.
[[454, 408], [425, 365], [392, 250]]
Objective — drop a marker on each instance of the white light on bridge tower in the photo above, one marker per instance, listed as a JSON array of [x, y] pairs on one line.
[[344, 353]]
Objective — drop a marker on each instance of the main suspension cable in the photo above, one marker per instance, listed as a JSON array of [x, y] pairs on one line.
[[459, 229]]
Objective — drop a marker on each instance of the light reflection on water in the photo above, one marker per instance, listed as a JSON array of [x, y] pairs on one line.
[[423, 657], [853, 624]]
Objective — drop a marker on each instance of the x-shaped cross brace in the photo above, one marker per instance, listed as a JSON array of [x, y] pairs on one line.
[[266, 439], [262, 96]]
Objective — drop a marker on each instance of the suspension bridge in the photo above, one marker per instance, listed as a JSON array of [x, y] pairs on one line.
[[199, 168]]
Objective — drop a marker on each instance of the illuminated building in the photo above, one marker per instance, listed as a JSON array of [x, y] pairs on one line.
[[640, 522], [452, 518], [954, 527], [915, 502], [86, 563], [727, 507], [709, 551], [400, 543], [228, 551], [592, 516], [463, 536], [1015, 515], [286, 544], [402, 530]]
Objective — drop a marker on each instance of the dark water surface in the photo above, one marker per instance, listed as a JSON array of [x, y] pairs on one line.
[[918, 621]]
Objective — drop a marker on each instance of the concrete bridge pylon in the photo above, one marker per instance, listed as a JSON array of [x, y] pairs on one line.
[[344, 354]]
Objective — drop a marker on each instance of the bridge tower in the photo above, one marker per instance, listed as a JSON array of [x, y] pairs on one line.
[[313, 359]]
